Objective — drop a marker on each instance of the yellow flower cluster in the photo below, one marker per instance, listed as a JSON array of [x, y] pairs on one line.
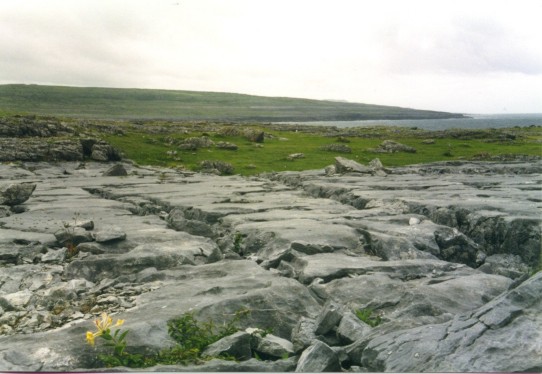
[[102, 324]]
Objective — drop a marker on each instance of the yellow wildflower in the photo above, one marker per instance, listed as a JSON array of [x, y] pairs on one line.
[[90, 338], [102, 324]]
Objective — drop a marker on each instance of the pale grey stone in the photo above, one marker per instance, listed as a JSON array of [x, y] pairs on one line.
[[236, 345], [318, 358], [109, 234], [15, 194], [271, 345], [16, 301]]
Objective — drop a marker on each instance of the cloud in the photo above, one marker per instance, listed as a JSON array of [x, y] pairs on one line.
[[415, 53], [464, 45]]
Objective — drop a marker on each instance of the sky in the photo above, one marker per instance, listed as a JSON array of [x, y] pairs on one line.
[[472, 56]]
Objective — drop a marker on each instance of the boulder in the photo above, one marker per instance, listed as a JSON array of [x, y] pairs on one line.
[[194, 143], [351, 328], [343, 165], [15, 194], [216, 167], [227, 145], [303, 334], [117, 170], [104, 152], [318, 358], [329, 318], [237, 345], [272, 346], [390, 146], [73, 236], [110, 234], [254, 135]]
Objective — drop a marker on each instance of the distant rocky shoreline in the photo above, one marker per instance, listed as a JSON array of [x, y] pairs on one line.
[[444, 255]]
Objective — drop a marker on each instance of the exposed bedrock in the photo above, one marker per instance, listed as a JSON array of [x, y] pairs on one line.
[[428, 268], [31, 139], [494, 209]]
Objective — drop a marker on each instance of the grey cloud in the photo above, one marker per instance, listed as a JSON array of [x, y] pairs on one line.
[[470, 46]]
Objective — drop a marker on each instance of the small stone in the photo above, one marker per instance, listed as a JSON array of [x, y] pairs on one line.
[[296, 156], [55, 256], [16, 301], [73, 236], [117, 170], [109, 299], [274, 346], [87, 224], [109, 235], [414, 221]]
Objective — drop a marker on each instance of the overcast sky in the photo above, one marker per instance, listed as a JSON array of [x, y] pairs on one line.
[[468, 56]]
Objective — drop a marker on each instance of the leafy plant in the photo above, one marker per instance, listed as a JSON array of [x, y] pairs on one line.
[[191, 336], [366, 315], [115, 340], [238, 242]]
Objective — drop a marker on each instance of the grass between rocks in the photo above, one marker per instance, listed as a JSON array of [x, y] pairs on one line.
[[148, 148], [191, 337]]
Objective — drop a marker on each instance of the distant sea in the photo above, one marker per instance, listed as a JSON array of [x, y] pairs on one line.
[[475, 121]]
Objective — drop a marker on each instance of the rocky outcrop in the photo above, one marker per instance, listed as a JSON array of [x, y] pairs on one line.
[[480, 340], [390, 146], [38, 139], [424, 268]]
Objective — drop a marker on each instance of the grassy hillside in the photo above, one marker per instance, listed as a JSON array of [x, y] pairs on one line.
[[118, 103]]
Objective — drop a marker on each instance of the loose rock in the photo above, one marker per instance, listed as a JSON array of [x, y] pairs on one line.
[[16, 194]]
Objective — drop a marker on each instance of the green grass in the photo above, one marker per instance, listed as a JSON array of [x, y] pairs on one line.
[[272, 156], [116, 103], [367, 316]]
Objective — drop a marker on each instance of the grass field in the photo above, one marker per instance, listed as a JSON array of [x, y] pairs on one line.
[[148, 126], [251, 158], [117, 103]]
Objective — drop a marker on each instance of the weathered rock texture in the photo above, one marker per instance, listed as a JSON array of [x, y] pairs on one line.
[[33, 139], [441, 253]]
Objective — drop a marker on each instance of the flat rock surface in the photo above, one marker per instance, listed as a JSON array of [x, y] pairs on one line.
[[406, 244]]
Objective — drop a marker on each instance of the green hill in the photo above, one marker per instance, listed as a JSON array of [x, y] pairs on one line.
[[122, 103]]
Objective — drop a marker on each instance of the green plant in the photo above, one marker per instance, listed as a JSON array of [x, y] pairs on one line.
[[238, 242], [191, 336], [115, 340], [366, 315], [69, 228]]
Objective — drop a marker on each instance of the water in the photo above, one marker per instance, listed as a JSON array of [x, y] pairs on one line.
[[477, 121]]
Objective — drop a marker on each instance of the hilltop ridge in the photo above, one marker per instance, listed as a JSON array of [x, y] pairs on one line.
[[127, 103]]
